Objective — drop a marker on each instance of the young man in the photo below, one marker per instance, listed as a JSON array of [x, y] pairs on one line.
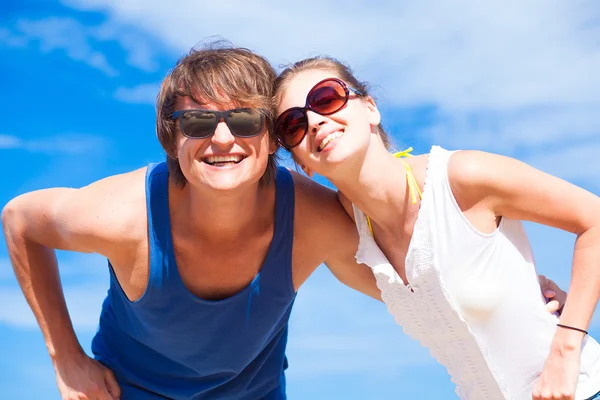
[[206, 251]]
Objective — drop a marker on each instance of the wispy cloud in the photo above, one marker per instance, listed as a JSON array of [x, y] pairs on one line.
[[10, 142], [494, 71], [63, 144], [140, 52], [59, 34], [505, 131], [10, 39], [80, 42], [580, 162], [141, 94]]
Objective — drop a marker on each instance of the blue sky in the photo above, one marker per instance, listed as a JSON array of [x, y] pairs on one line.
[[79, 79]]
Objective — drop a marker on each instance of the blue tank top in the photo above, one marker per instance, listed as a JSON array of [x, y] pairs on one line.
[[171, 344]]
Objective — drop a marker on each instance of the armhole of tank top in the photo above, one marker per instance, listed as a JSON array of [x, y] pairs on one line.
[[286, 190], [360, 221], [115, 283], [157, 196], [450, 194]]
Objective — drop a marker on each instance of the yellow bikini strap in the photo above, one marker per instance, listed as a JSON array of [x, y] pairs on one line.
[[413, 186], [404, 153]]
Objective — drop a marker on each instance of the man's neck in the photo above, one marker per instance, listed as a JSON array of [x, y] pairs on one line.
[[218, 215]]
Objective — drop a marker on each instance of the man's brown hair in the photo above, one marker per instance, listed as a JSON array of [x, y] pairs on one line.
[[221, 74]]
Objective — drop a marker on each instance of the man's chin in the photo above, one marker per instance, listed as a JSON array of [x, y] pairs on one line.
[[225, 180]]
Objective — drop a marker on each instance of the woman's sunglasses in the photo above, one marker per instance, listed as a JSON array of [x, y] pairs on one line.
[[201, 124], [325, 98]]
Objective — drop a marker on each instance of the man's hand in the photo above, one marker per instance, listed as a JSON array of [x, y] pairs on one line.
[[555, 296], [83, 378]]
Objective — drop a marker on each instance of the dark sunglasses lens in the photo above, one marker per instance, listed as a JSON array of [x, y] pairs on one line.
[[327, 97], [291, 127], [198, 124], [245, 123]]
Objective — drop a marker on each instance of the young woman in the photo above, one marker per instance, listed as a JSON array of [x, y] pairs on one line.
[[443, 236]]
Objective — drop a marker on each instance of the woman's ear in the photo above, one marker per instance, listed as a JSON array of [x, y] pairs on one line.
[[374, 115], [306, 170]]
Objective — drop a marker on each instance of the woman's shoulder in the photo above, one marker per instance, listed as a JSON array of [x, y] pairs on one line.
[[470, 168]]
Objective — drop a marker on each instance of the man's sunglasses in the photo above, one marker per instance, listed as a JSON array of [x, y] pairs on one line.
[[325, 98], [201, 124]]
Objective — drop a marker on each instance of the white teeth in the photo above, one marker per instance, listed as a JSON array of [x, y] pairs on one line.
[[329, 138], [223, 159]]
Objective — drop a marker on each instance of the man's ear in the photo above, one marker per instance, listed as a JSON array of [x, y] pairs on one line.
[[374, 115], [273, 146]]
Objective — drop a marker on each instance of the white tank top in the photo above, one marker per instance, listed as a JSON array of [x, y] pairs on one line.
[[474, 299]]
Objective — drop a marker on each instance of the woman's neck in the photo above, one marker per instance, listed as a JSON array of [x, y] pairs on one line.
[[378, 187]]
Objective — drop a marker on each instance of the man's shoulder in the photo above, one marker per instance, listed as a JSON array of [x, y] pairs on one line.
[[115, 205], [311, 194], [100, 217], [321, 224], [119, 190], [318, 206]]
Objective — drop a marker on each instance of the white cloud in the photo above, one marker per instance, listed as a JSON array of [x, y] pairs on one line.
[[66, 35], [61, 144], [574, 163], [141, 94], [504, 131], [140, 53], [10, 142], [495, 70], [79, 42], [10, 39]]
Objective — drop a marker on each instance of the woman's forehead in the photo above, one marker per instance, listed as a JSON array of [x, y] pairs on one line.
[[301, 83], [311, 77]]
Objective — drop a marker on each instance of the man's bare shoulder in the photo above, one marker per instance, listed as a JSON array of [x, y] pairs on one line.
[[347, 204], [323, 231], [319, 206], [100, 217], [312, 196], [114, 206]]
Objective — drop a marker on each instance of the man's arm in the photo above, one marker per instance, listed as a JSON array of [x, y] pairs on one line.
[[343, 264], [91, 219], [356, 276], [332, 236]]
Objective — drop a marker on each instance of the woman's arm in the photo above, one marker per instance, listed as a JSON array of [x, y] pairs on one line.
[[510, 188]]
